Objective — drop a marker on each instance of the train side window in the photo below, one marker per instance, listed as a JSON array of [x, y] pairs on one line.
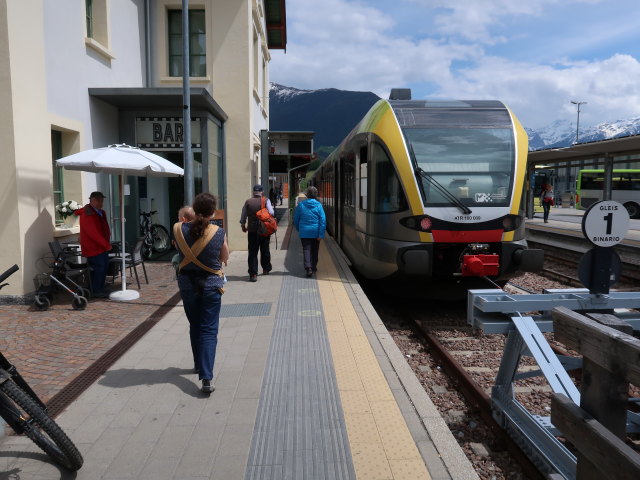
[[363, 177], [387, 194]]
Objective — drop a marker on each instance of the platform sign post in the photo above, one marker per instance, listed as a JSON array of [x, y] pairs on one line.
[[605, 224]]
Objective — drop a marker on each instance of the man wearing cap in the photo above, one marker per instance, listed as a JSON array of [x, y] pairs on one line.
[[95, 241], [249, 223]]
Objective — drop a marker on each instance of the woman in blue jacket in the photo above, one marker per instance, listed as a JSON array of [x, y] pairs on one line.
[[310, 223]]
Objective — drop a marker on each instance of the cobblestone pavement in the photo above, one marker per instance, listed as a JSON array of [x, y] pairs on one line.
[[52, 348]]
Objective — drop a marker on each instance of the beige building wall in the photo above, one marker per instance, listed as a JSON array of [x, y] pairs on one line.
[[237, 86], [26, 187]]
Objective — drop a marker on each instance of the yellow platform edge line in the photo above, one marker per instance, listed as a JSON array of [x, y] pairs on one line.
[[385, 448]]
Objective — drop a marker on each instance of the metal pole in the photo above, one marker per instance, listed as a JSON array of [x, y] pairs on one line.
[[578, 121], [186, 98]]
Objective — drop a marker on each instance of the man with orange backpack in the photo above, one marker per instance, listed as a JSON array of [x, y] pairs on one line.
[[250, 224]]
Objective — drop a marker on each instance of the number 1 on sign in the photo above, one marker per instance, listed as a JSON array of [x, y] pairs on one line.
[[609, 219]]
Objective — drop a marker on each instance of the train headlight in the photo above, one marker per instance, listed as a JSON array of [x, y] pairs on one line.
[[425, 224], [422, 223], [511, 222]]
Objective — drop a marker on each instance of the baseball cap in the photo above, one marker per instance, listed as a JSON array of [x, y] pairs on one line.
[[96, 195], [257, 188]]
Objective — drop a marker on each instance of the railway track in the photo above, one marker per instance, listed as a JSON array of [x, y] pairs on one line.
[[458, 367]]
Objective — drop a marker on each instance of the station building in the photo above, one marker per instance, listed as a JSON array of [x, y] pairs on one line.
[[82, 74]]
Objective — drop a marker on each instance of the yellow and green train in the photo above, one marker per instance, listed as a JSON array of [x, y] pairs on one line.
[[432, 190]]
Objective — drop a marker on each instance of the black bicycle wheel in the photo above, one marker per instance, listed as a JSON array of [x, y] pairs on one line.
[[34, 422], [161, 239]]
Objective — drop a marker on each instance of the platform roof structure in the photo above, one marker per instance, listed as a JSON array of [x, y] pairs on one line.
[[582, 153]]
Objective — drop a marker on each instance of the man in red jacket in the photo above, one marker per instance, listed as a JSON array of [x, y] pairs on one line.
[[95, 241]]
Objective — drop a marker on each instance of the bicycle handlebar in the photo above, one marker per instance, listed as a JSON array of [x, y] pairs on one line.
[[148, 214], [8, 273]]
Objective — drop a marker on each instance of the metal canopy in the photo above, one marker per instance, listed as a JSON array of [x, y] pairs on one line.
[[615, 147], [170, 98]]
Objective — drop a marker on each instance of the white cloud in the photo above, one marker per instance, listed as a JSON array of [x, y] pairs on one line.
[[353, 45], [540, 94]]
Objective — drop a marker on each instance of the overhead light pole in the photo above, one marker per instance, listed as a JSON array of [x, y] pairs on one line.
[[578, 122]]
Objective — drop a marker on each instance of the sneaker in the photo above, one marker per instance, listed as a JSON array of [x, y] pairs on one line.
[[309, 272], [253, 278], [207, 386], [265, 272]]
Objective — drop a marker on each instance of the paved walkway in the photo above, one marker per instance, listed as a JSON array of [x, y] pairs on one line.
[[309, 384]]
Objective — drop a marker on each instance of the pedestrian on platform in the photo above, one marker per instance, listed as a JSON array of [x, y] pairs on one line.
[[546, 200], [95, 242], [203, 249], [256, 243], [310, 223]]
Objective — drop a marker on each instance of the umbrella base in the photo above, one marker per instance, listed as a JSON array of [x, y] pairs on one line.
[[124, 295]]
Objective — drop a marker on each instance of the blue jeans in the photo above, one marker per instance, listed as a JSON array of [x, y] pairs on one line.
[[202, 302], [98, 264]]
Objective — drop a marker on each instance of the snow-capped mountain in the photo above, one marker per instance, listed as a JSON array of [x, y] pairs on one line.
[[332, 113], [562, 133]]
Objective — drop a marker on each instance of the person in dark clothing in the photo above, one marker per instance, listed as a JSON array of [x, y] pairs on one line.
[[256, 243], [95, 242], [310, 222]]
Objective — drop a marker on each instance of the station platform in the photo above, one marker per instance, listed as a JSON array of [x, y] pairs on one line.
[[309, 385], [568, 222]]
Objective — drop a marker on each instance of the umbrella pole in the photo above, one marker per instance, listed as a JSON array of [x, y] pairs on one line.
[[124, 294]]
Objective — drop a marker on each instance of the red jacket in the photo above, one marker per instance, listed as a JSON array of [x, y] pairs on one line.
[[94, 232]]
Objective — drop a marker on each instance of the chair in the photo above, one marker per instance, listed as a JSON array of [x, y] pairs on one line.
[[132, 260]]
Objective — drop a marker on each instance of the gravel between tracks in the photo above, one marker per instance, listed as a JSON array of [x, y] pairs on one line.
[[480, 355]]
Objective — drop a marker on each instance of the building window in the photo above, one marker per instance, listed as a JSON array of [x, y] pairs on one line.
[[197, 43], [58, 183], [256, 55], [89, 16]]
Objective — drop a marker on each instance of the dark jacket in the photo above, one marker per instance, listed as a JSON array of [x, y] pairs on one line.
[[94, 231]]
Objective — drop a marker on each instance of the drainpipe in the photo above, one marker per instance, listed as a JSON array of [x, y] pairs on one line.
[[147, 43]]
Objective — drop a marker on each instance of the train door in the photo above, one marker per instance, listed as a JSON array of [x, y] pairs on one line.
[[348, 202]]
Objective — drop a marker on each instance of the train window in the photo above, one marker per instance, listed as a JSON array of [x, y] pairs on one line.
[[386, 191], [363, 177], [476, 165]]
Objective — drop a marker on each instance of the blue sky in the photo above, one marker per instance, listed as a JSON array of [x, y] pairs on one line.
[[534, 55]]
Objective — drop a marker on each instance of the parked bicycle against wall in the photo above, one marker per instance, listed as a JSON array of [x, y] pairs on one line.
[[26, 414], [156, 237]]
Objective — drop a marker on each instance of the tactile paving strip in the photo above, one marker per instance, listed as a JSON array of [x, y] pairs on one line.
[[382, 446], [300, 430]]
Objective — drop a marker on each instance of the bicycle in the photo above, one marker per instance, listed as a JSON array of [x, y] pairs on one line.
[[26, 414], [156, 236]]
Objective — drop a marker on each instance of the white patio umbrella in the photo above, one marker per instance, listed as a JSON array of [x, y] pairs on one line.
[[121, 160]]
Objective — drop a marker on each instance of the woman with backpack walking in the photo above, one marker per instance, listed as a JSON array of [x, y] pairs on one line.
[[310, 222]]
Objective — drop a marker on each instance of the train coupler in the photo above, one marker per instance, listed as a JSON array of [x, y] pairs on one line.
[[480, 265]]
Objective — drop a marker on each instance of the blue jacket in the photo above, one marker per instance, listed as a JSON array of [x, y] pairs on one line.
[[309, 219]]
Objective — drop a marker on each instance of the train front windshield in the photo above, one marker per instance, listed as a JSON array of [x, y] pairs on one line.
[[475, 165]]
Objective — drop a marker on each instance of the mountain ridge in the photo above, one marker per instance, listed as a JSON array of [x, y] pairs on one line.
[[336, 112]]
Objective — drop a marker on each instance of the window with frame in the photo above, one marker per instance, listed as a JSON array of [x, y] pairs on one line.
[[58, 183], [197, 43], [97, 21], [89, 17], [384, 182]]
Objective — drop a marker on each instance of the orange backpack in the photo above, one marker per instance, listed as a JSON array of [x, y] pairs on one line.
[[266, 223]]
